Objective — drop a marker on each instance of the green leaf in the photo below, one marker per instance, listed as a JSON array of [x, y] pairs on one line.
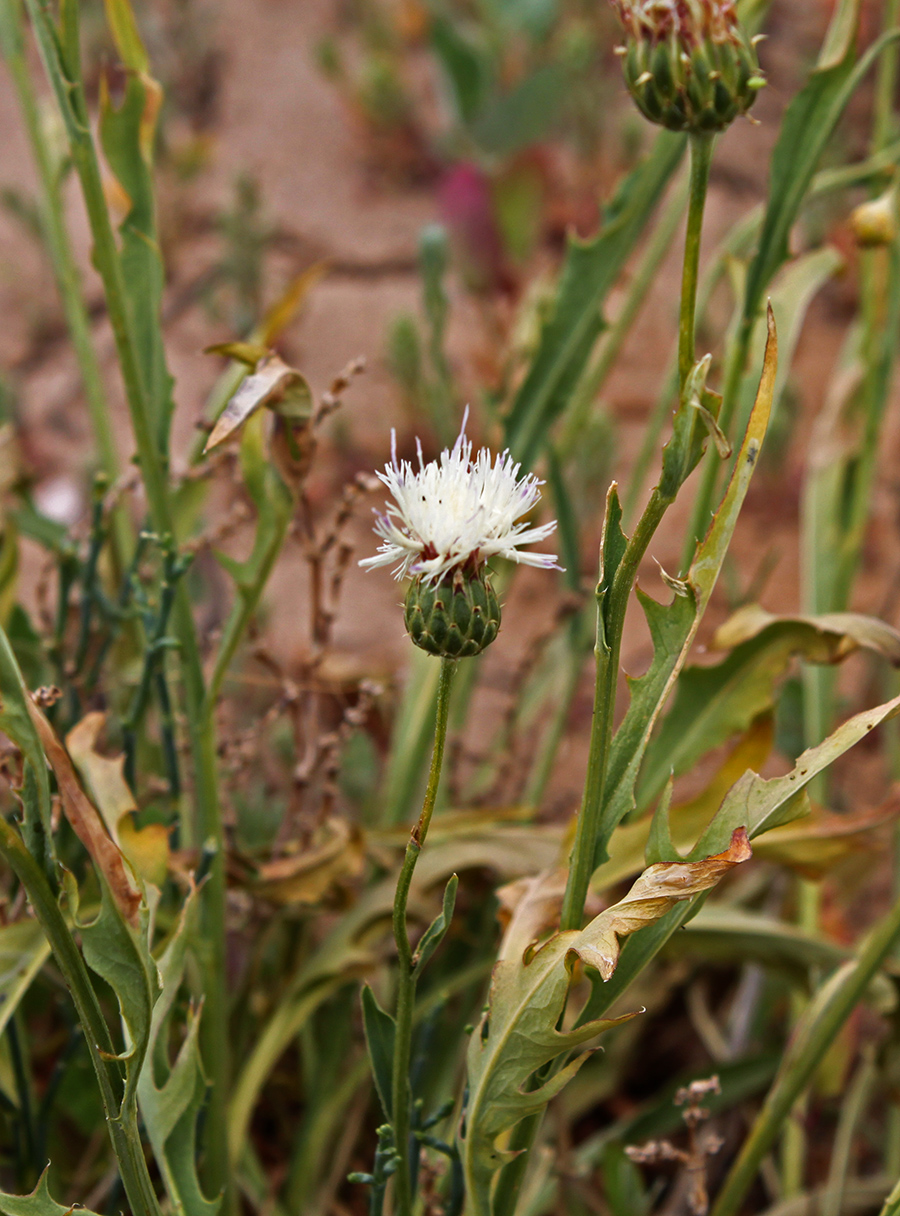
[[807, 126], [39, 1203], [760, 804], [523, 116], [380, 1031], [23, 951], [172, 1093], [119, 954], [434, 934], [467, 69], [127, 134], [126, 35], [519, 1035], [729, 933], [712, 704], [674, 627], [813, 1035], [590, 271], [659, 841]]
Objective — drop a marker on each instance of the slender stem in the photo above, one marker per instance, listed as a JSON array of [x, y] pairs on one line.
[[406, 978], [611, 608], [612, 605], [65, 78], [122, 1124], [701, 159], [65, 270]]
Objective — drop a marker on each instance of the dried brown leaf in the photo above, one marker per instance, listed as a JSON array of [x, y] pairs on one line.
[[657, 890], [273, 384], [87, 822]]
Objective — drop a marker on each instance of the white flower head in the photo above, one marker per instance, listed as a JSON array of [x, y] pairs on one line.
[[457, 512]]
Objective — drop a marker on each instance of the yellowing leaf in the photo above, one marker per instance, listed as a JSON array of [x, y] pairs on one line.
[[274, 385], [248, 353], [307, 877], [104, 777], [126, 36], [826, 638], [286, 307], [820, 841], [687, 820], [147, 848]]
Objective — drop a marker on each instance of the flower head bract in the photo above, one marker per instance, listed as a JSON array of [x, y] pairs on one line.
[[457, 513]]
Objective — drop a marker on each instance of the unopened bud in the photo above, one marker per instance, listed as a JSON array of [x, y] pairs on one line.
[[689, 65], [454, 618], [875, 222]]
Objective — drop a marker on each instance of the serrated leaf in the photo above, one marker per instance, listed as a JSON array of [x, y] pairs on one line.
[[380, 1030], [172, 1093], [519, 1032], [39, 1203], [273, 384], [674, 627]]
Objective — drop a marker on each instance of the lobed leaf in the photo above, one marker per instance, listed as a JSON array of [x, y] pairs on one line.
[[171, 1093], [519, 1033], [673, 627], [39, 1203]]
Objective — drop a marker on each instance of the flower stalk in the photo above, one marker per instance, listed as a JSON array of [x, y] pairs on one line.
[[406, 974]]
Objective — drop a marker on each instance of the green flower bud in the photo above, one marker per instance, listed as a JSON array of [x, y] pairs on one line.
[[453, 618], [688, 64]]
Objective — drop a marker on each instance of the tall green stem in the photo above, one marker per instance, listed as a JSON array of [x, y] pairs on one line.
[[701, 158], [59, 51], [611, 609], [613, 603], [64, 266], [122, 1123], [406, 977]]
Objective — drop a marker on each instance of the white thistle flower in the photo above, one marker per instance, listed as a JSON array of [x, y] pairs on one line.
[[455, 512]]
